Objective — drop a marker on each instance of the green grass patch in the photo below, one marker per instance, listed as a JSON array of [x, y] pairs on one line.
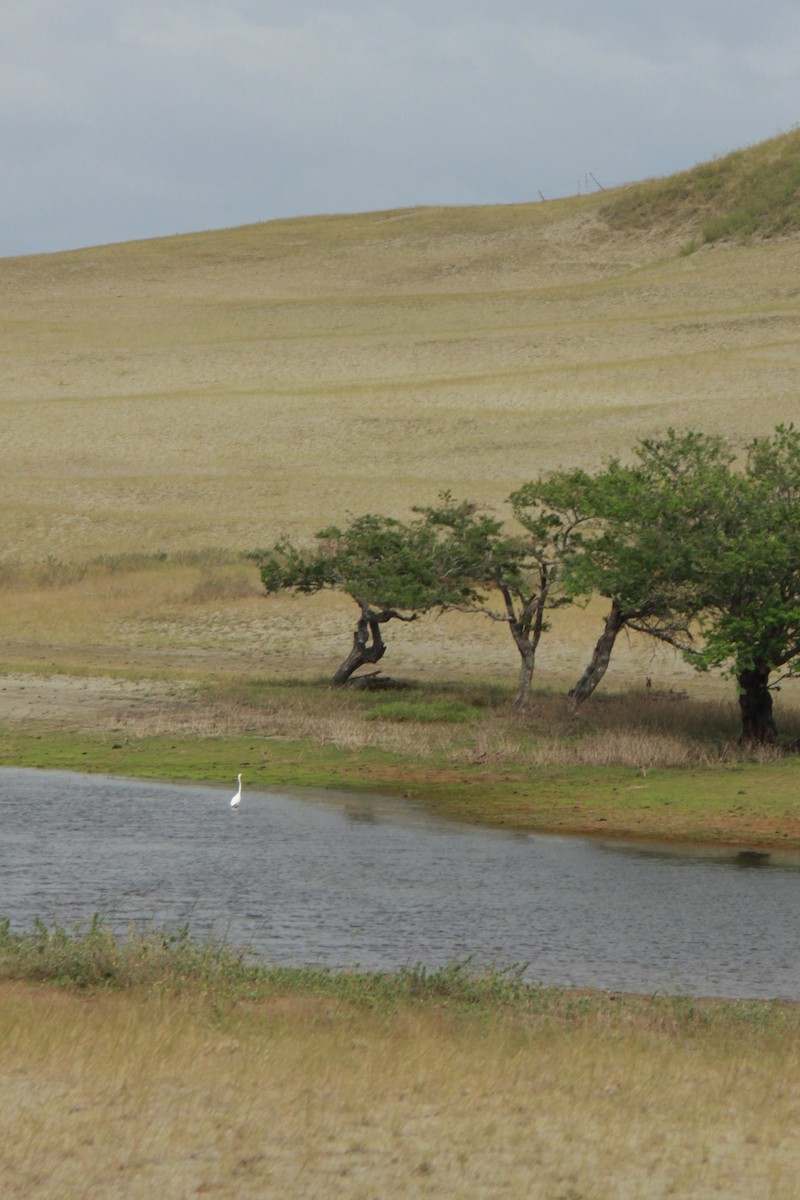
[[99, 957]]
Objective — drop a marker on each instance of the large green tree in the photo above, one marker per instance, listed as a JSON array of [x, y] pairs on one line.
[[749, 575], [648, 522], [703, 551]]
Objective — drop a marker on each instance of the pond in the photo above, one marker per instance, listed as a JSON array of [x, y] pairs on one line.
[[324, 877]]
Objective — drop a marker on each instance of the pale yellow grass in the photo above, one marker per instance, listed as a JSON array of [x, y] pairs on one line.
[[116, 1096], [218, 389], [192, 716], [546, 736], [200, 620]]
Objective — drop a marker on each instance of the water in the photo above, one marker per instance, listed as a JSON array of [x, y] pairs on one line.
[[331, 878]]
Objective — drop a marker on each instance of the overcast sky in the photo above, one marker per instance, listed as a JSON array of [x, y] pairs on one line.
[[125, 119]]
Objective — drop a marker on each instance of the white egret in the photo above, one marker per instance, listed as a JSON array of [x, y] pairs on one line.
[[236, 800]]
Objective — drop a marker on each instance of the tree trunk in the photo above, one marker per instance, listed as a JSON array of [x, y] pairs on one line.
[[755, 702], [364, 650], [598, 664], [527, 654]]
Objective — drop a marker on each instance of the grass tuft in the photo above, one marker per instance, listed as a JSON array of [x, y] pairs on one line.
[[96, 957]]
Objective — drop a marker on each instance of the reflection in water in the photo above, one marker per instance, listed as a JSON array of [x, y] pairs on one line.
[[713, 856], [321, 877], [360, 809], [753, 858]]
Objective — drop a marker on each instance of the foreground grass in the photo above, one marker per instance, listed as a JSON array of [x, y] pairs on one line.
[[177, 1070]]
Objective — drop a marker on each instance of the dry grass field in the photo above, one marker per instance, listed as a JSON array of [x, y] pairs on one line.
[[168, 404], [294, 1098], [218, 389]]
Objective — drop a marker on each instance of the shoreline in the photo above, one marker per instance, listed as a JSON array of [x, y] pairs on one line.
[[161, 730], [748, 842]]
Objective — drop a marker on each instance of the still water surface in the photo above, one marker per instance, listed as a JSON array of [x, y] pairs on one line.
[[304, 877]]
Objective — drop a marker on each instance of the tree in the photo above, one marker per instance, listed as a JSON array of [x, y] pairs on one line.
[[649, 520], [525, 567], [392, 570], [750, 579], [705, 556]]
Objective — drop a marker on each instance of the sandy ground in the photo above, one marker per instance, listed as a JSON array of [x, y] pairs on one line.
[[75, 702]]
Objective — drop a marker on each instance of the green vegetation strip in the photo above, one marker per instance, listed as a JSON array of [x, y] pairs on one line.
[[97, 958], [747, 804]]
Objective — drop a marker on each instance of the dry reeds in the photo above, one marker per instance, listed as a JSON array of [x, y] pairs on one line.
[[134, 1096], [621, 731]]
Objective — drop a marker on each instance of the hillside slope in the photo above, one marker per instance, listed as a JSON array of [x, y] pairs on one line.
[[221, 388], [752, 193]]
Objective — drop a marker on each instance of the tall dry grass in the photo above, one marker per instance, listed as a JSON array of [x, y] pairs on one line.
[[136, 1096], [642, 731], [627, 730]]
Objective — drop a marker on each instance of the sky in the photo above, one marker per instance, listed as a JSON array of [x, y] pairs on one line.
[[127, 119]]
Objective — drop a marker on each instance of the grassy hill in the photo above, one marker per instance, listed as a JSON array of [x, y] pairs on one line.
[[749, 194], [218, 389]]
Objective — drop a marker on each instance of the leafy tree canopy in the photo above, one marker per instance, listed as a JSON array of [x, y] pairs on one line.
[[525, 566], [379, 561], [394, 570], [750, 575], [690, 541], [653, 523]]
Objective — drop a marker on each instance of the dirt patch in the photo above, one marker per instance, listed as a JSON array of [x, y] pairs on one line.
[[83, 703]]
